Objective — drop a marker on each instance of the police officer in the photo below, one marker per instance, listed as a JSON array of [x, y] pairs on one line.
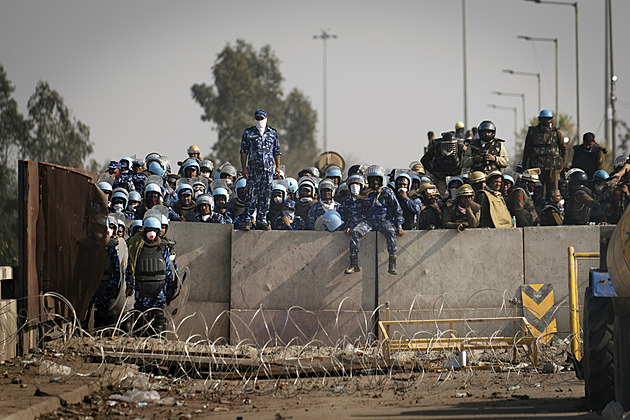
[[220, 196], [494, 212], [409, 201], [260, 159], [151, 273], [553, 212], [236, 205], [432, 210], [444, 158], [520, 201], [349, 209], [184, 207], [306, 196], [108, 301], [545, 149], [323, 204], [588, 156], [487, 153], [581, 201], [381, 212], [462, 212]]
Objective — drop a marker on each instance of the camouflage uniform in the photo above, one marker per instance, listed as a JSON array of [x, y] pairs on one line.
[[317, 210], [382, 213], [545, 149], [350, 211], [260, 151], [215, 217]]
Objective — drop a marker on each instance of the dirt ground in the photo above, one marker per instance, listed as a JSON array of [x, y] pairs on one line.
[[420, 395]]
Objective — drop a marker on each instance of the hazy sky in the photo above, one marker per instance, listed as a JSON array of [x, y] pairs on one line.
[[125, 68]]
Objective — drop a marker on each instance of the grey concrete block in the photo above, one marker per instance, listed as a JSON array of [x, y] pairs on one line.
[[205, 249], [546, 261], [206, 320], [8, 329], [478, 268], [279, 270]]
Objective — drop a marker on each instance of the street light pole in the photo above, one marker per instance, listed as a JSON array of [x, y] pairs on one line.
[[325, 36], [555, 41], [465, 64], [522, 95], [523, 73], [577, 52]]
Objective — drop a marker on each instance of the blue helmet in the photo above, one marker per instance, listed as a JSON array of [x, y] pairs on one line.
[[241, 183], [545, 113], [164, 220], [280, 187], [153, 188], [184, 187], [333, 172], [106, 187], [135, 196], [404, 175], [127, 161], [326, 184], [152, 223], [135, 224], [191, 163], [454, 179], [155, 167], [292, 185], [205, 199], [508, 178], [332, 220], [600, 175], [221, 191], [122, 194], [356, 179], [374, 171]]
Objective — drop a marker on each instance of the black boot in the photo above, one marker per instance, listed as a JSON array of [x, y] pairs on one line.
[[354, 265], [392, 265]]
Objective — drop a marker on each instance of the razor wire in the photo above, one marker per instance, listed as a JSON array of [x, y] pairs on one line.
[[286, 360]]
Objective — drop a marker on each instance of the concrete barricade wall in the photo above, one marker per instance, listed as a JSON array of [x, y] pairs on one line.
[[278, 270], [546, 261], [448, 274], [205, 249]]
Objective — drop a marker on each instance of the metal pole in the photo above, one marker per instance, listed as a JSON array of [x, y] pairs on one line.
[[465, 66], [606, 76], [324, 36], [574, 325], [613, 85], [557, 111], [577, 69], [538, 78]]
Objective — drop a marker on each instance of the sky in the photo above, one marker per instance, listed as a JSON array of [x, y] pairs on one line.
[[395, 70]]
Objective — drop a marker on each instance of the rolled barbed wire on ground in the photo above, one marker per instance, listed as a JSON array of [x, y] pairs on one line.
[[209, 364]]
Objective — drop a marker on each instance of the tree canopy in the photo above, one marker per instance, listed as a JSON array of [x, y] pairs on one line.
[[246, 80]]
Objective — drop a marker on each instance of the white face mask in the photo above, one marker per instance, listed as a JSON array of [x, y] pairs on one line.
[[198, 193], [151, 235], [110, 232], [228, 182], [118, 207], [306, 199], [261, 125], [132, 207], [277, 200], [354, 189], [205, 175]]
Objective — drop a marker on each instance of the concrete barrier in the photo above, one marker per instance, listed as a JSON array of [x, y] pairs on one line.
[[447, 274], [546, 261], [278, 270], [205, 249]]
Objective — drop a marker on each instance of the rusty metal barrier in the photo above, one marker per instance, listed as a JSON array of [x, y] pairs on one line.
[[574, 311]]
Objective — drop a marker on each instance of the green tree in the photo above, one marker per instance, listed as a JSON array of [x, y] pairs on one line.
[[55, 135], [13, 131], [246, 80], [299, 145]]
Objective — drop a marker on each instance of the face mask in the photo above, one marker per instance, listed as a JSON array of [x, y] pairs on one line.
[[205, 217], [278, 200], [261, 125], [110, 232], [354, 189], [118, 207], [198, 193], [306, 199], [152, 201], [228, 182], [132, 207], [151, 235], [402, 189], [205, 175]]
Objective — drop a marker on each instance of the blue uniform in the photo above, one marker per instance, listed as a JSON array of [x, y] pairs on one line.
[[411, 208], [260, 150], [223, 219], [317, 210], [350, 211], [145, 302], [382, 213]]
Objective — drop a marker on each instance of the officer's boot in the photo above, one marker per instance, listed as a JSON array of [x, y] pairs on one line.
[[392, 265], [246, 226], [354, 265]]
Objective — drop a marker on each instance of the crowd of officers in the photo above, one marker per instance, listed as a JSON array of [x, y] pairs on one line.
[[461, 182]]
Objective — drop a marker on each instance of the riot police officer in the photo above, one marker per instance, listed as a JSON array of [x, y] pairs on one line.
[[487, 153]]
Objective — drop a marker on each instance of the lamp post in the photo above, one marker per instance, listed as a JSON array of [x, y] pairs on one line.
[[325, 36], [522, 95], [465, 64], [524, 73], [506, 108], [555, 41], [577, 52]]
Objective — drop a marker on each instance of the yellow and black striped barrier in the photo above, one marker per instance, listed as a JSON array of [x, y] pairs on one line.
[[538, 305]]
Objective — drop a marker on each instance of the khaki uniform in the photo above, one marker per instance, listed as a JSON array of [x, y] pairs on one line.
[[551, 216], [494, 212], [521, 205], [495, 148], [453, 217]]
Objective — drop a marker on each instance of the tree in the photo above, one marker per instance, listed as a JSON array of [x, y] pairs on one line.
[[55, 135], [300, 147], [246, 80], [13, 131]]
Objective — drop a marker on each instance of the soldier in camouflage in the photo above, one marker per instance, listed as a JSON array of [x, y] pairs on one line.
[[260, 160]]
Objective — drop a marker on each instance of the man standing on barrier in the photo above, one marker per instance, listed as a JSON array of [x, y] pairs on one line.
[[260, 159], [382, 213]]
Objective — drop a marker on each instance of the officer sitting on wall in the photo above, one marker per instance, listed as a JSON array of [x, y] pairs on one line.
[[325, 203], [381, 212], [150, 273]]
